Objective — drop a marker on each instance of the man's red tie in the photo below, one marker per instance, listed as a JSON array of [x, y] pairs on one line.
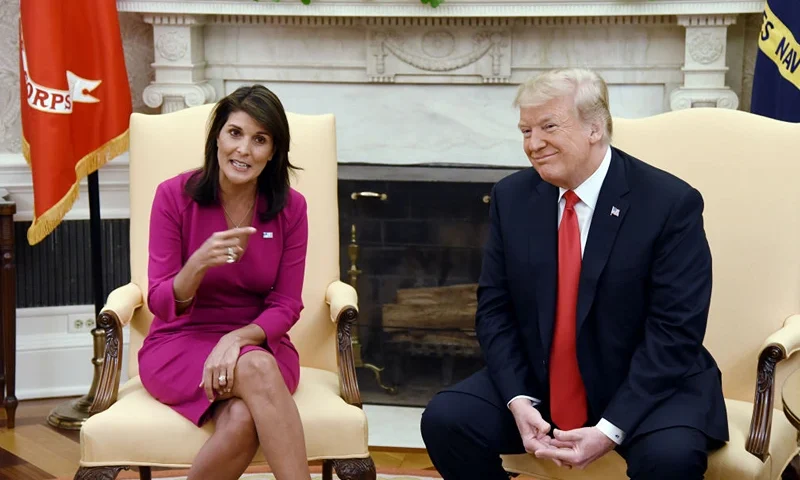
[[567, 393]]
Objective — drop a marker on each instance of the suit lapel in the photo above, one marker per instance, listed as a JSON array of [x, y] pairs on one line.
[[543, 255], [608, 216]]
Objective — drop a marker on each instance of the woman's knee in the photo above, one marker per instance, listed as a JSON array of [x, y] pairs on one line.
[[259, 371], [234, 416]]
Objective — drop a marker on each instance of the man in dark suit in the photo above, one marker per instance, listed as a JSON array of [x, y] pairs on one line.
[[592, 307]]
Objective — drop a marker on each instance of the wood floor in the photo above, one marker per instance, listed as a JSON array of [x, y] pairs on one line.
[[35, 451]]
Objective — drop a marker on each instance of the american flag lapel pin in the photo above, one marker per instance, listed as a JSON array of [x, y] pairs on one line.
[[266, 235], [614, 212]]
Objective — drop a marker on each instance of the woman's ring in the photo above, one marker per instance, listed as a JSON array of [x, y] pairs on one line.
[[231, 258], [222, 379]]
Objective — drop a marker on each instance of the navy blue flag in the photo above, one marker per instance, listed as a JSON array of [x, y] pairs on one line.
[[776, 80]]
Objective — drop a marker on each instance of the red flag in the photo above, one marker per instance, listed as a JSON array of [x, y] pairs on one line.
[[76, 101]]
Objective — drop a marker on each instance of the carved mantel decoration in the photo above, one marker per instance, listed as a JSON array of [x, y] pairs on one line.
[[202, 45], [417, 49]]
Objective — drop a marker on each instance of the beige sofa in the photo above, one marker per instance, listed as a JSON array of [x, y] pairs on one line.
[[133, 429], [747, 168]]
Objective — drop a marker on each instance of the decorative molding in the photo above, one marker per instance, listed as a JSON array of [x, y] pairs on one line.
[[448, 67], [173, 97], [461, 42], [705, 47], [450, 8], [704, 83], [698, 97], [607, 21], [184, 20], [389, 50], [438, 44], [320, 21], [485, 53], [381, 79], [293, 21], [180, 80], [172, 46], [706, 20], [438, 22]]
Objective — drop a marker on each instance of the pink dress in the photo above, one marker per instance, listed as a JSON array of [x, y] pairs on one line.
[[264, 288]]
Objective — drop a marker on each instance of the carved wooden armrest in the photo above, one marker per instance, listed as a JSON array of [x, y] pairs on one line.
[[778, 346], [117, 312], [343, 301]]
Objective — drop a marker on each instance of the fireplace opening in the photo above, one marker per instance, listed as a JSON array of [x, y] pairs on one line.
[[411, 241]]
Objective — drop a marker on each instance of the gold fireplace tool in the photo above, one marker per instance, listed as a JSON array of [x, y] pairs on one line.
[[353, 273]]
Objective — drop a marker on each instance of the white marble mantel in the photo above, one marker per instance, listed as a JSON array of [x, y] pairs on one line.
[[414, 84], [449, 8]]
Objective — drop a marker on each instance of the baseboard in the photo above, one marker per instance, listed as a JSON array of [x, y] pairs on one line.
[[51, 360]]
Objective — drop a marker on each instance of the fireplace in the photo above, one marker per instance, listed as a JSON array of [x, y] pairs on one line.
[[411, 242], [422, 99]]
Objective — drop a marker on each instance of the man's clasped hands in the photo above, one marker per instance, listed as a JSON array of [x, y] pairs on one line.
[[571, 448]]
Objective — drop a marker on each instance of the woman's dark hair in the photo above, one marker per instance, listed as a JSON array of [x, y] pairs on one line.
[[266, 109]]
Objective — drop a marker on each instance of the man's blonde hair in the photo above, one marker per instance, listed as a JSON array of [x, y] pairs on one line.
[[588, 89]]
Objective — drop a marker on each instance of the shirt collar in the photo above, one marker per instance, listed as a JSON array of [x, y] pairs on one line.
[[589, 190]]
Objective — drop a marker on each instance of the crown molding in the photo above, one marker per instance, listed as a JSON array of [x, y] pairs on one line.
[[557, 22], [448, 8]]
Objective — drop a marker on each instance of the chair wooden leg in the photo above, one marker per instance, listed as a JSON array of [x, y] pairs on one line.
[[327, 470], [144, 473], [355, 469], [98, 473]]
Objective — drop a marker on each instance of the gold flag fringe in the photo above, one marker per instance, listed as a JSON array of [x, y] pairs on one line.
[[26, 151], [45, 223]]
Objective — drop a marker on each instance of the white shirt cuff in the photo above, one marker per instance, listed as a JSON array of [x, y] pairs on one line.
[[615, 434], [534, 401]]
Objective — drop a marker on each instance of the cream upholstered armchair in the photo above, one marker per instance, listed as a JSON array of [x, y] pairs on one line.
[[747, 168], [129, 427]]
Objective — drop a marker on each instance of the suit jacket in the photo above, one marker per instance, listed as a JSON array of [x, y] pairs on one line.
[[643, 300]]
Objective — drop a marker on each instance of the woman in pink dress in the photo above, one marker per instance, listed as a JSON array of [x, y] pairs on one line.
[[227, 257]]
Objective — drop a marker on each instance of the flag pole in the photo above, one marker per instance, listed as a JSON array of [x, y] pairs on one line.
[[72, 414]]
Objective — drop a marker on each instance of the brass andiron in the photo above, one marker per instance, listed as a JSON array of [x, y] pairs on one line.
[[353, 272]]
